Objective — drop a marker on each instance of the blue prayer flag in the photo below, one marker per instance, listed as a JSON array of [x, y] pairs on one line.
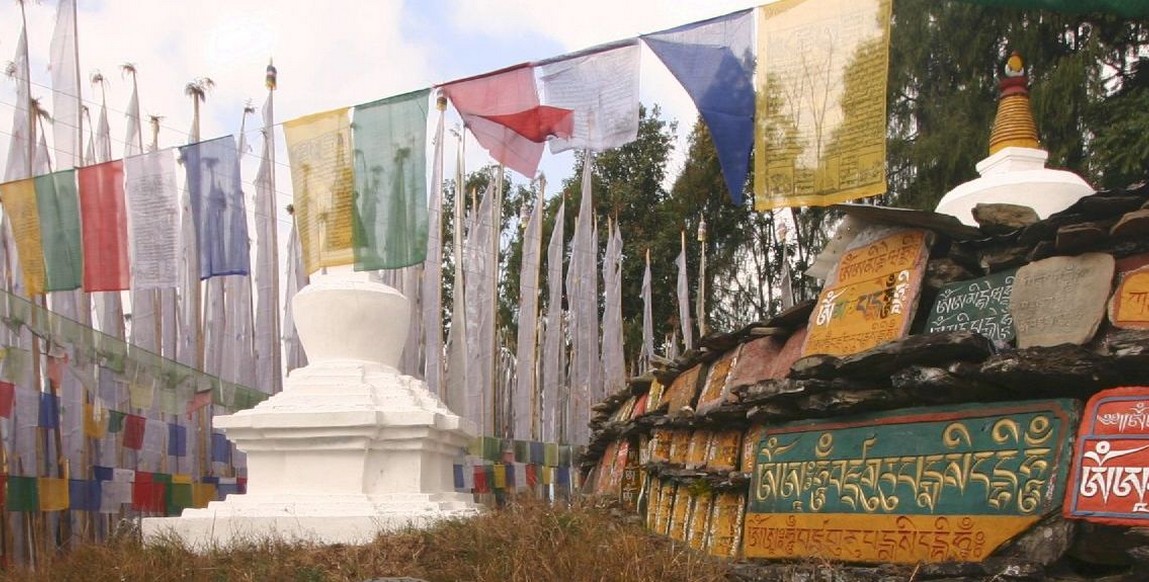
[[213, 183], [714, 61], [177, 440], [459, 483], [220, 448], [49, 410], [102, 473], [84, 495]]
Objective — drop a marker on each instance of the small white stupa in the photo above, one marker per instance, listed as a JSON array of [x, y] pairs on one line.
[[350, 447], [1015, 172]]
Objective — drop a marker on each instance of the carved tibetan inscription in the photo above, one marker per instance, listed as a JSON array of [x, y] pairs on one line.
[[1110, 481], [932, 485], [980, 305], [1129, 307], [1061, 299], [871, 300]]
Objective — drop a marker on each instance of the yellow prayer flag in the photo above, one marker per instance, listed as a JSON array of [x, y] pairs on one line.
[[185, 478], [319, 149], [500, 476], [202, 494], [141, 392], [548, 475], [820, 134], [19, 199], [95, 422], [53, 493]]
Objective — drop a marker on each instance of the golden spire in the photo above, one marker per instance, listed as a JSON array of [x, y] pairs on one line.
[[1013, 125]]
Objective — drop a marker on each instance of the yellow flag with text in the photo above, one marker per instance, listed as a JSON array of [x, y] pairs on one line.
[[19, 200], [820, 134], [319, 149]]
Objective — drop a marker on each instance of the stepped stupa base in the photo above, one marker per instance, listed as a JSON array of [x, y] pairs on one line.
[[351, 448]]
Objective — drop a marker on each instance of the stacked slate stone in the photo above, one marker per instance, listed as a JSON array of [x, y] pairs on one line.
[[679, 445]]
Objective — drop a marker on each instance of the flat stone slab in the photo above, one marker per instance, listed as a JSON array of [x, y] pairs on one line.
[[1111, 460], [1129, 307], [980, 305], [1061, 299]]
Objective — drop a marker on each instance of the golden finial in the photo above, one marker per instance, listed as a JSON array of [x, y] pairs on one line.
[[441, 101], [1013, 126]]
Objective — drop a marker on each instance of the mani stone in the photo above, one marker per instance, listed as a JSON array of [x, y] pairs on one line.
[[755, 362], [1061, 300], [1129, 307], [1000, 218]]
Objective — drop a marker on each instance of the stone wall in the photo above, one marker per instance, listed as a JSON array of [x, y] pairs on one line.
[[920, 412]]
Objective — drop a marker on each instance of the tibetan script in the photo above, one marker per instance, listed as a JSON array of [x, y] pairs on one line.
[[1110, 481], [980, 305]]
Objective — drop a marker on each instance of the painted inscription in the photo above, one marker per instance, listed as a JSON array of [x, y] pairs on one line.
[[1129, 307], [716, 389], [980, 305], [726, 524], [1111, 460], [872, 299], [683, 390], [942, 484]]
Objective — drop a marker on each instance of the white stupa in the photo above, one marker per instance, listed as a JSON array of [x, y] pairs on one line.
[[1015, 172], [350, 447]]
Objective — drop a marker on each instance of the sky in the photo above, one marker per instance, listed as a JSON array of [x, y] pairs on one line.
[[330, 54]]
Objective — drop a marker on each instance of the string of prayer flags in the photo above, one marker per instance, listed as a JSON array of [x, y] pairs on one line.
[[318, 147], [59, 213], [390, 210], [502, 110], [216, 195], [600, 86], [153, 220], [104, 223], [714, 61]]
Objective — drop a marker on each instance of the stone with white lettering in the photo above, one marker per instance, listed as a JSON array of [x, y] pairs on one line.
[[1061, 300], [1110, 479], [979, 305]]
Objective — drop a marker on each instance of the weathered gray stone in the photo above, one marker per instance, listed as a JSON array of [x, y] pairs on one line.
[[1132, 224], [1003, 218], [1061, 299], [1078, 238], [940, 272]]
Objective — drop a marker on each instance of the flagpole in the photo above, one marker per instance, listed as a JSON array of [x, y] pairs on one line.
[[701, 277], [271, 80]]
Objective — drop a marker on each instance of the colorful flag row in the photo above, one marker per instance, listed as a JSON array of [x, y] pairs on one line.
[[499, 476], [112, 489], [114, 226], [498, 450]]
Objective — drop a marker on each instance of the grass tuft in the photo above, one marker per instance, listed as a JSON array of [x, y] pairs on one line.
[[527, 541]]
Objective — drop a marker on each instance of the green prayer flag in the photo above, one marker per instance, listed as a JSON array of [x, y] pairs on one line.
[[23, 493], [59, 210], [115, 421], [179, 498], [390, 166]]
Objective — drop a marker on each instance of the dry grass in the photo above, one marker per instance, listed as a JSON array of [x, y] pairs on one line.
[[526, 542]]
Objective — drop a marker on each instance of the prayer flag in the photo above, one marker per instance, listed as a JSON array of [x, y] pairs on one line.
[[134, 427], [149, 496], [113, 494], [683, 289], [457, 470], [49, 410], [18, 165], [66, 105], [53, 494], [23, 493], [19, 200], [202, 494], [180, 497], [502, 110], [95, 421], [524, 402], [84, 494], [432, 290], [647, 319], [177, 440], [216, 196], [821, 102], [714, 61], [319, 148], [153, 220], [600, 85], [220, 448], [105, 227], [115, 421], [390, 210], [554, 347], [59, 210], [7, 398], [268, 374]]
